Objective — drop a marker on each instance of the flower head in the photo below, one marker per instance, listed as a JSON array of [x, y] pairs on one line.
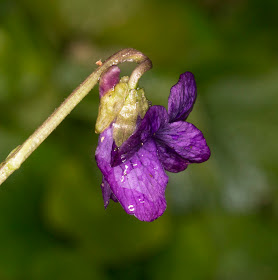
[[134, 171]]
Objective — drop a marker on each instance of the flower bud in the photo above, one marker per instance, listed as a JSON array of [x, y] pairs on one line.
[[119, 105], [108, 80]]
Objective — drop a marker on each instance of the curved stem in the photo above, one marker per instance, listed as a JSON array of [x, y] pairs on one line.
[[138, 72], [22, 152]]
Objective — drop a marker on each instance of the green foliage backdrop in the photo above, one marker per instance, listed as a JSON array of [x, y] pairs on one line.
[[222, 217]]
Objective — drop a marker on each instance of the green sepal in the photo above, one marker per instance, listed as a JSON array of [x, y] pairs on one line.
[[122, 107], [135, 105], [110, 106]]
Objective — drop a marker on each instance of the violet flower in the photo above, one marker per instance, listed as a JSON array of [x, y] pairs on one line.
[[134, 173]]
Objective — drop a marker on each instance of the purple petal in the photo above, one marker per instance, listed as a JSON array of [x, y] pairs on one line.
[[182, 97], [184, 139], [107, 193], [155, 118], [139, 183], [109, 79], [169, 159]]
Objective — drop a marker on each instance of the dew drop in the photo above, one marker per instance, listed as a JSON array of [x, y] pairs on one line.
[[123, 158], [131, 208], [125, 171]]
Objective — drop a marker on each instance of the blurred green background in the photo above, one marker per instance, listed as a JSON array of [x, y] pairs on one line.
[[222, 217]]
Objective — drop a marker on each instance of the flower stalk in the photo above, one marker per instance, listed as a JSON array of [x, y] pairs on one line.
[[22, 152]]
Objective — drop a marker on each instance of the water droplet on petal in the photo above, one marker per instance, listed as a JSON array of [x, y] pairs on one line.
[[131, 208], [123, 158], [125, 171]]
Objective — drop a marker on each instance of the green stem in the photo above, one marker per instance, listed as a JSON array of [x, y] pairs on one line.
[[138, 72], [22, 152]]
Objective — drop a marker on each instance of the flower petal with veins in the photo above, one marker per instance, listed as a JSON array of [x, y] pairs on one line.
[[186, 140], [138, 183], [182, 97]]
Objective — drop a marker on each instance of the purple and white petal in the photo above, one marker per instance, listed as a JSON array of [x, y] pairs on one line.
[[155, 118], [139, 183], [182, 97], [109, 79], [186, 140]]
